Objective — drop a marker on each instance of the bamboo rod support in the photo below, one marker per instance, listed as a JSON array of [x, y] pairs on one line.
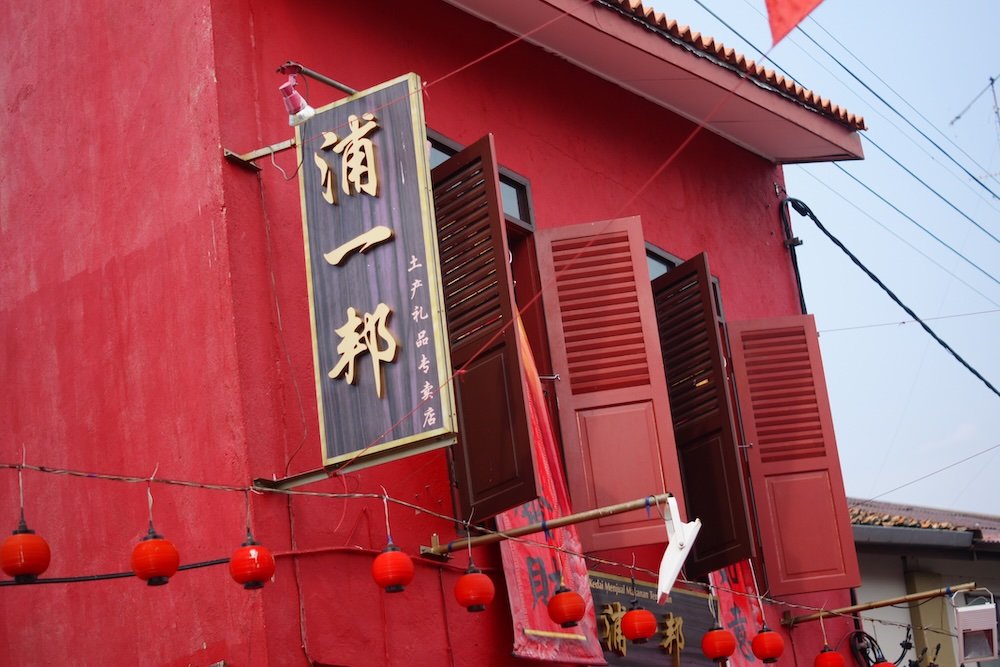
[[790, 621], [438, 549]]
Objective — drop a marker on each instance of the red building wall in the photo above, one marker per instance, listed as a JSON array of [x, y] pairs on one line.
[[153, 310]]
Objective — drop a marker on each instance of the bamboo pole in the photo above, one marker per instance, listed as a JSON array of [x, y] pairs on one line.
[[438, 549], [789, 621]]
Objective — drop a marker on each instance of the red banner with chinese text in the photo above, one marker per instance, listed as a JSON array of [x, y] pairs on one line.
[[738, 609], [532, 569]]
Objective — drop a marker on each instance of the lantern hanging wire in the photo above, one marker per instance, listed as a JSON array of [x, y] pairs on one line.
[[20, 484], [385, 507], [468, 531], [246, 500], [635, 593], [149, 496], [756, 588]]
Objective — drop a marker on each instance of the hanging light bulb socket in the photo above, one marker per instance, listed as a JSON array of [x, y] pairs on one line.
[[24, 554], [155, 559]]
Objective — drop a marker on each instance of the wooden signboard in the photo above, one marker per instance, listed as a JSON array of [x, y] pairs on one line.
[[380, 344]]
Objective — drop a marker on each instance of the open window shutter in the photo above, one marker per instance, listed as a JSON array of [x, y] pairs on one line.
[[493, 463], [613, 408], [701, 409], [805, 530]]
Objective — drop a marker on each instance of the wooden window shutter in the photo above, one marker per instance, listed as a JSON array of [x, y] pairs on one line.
[[701, 408], [494, 470], [802, 516], [613, 409]]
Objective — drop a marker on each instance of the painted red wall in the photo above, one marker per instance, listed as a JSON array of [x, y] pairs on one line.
[[153, 311]]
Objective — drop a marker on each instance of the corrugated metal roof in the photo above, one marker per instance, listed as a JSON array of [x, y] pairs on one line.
[[878, 513], [739, 62]]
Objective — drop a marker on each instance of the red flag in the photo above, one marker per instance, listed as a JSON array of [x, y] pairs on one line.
[[783, 15], [533, 570]]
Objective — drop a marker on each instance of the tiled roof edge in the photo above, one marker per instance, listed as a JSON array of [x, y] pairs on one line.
[[706, 46]]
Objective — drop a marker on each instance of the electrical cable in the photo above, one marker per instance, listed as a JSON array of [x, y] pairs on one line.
[[898, 237], [358, 549], [930, 474], [886, 153], [812, 19], [927, 231], [901, 322], [931, 189], [905, 119], [802, 209]]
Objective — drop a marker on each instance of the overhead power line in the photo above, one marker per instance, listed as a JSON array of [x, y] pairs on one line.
[[929, 188], [900, 238], [802, 209], [901, 322], [898, 113], [984, 170], [930, 474], [927, 231]]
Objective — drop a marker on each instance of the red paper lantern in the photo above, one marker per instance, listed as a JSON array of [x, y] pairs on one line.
[[638, 624], [566, 607], [718, 644], [25, 555], [251, 564], [392, 569], [829, 658], [474, 590], [768, 645], [155, 559]]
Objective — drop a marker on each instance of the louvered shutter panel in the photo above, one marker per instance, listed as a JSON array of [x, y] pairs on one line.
[[701, 408], [613, 409], [802, 516], [493, 462]]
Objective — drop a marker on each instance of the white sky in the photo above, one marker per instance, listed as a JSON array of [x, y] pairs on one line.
[[903, 406]]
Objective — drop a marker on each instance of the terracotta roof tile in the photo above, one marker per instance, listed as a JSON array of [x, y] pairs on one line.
[[740, 63], [877, 513]]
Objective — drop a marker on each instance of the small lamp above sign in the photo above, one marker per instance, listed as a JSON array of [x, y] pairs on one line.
[[298, 109], [977, 630]]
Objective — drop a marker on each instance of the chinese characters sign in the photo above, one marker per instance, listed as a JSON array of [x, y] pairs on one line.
[[680, 623], [379, 339]]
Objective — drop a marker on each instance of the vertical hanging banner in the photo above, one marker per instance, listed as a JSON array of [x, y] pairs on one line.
[[532, 568], [379, 338], [738, 609]]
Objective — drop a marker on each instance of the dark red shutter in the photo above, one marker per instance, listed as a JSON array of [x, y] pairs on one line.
[[493, 463], [701, 409], [613, 407], [802, 517]]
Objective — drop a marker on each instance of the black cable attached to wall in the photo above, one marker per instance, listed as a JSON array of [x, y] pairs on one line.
[[802, 209], [112, 575]]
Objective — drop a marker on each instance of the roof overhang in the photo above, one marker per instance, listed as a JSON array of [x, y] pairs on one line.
[[623, 50]]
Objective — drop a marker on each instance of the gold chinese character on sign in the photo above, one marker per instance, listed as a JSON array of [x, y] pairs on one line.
[[358, 168], [673, 636], [365, 334], [611, 628]]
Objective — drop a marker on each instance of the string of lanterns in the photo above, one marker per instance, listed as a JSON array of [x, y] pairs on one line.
[[25, 556]]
